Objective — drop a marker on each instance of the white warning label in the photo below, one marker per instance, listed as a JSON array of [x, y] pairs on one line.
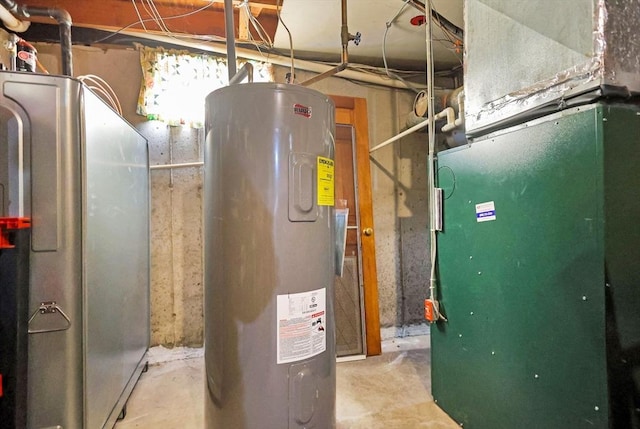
[[301, 325]]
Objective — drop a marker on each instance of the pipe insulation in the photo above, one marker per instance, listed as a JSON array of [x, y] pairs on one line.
[[11, 22]]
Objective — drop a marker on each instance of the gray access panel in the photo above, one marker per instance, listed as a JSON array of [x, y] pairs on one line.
[[81, 173]]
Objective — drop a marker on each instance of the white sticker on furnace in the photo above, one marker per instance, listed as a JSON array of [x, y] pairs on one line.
[[485, 211], [301, 319]]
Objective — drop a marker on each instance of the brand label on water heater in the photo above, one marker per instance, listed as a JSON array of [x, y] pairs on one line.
[[325, 181], [301, 110], [301, 325]]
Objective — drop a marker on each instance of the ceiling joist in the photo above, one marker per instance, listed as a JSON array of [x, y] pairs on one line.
[[180, 17]]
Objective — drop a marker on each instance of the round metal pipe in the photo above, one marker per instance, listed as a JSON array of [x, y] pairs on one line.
[[344, 55], [230, 36], [245, 71]]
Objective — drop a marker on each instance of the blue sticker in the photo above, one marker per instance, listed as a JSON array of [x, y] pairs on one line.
[[485, 211]]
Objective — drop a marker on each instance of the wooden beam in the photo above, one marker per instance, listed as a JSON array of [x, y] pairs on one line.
[[262, 4], [255, 4], [188, 17], [243, 25]]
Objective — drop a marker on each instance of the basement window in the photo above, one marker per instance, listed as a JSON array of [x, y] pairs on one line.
[[175, 83]]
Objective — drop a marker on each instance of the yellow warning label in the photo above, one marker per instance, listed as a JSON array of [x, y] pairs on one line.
[[325, 181]]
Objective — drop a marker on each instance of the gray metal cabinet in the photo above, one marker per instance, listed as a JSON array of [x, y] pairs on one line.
[[80, 172]]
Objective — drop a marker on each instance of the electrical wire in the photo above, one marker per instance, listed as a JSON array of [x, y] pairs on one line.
[[265, 41], [433, 296], [151, 9], [100, 86], [456, 43], [142, 21], [135, 6], [41, 67], [388, 25], [292, 77], [440, 20], [451, 32], [262, 33]]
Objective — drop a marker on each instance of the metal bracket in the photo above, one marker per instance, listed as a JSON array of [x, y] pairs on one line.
[[49, 307], [437, 209]]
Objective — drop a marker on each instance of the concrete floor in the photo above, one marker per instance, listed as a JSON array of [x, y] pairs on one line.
[[390, 391]]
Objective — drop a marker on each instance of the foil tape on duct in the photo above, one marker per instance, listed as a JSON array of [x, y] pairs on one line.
[[527, 59]]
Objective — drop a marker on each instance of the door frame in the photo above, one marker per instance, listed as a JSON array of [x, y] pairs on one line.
[[353, 111]]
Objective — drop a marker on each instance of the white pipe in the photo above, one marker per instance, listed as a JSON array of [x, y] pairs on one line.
[[11, 22], [399, 136], [460, 119], [273, 59], [172, 166], [448, 113]]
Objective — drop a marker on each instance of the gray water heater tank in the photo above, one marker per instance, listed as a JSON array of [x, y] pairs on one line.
[[269, 258]]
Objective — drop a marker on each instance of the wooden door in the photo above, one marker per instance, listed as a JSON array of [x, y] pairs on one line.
[[353, 184]]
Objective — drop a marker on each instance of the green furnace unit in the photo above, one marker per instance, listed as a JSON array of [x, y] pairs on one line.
[[539, 274]]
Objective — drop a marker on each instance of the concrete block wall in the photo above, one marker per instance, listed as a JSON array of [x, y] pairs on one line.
[[176, 234], [398, 184]]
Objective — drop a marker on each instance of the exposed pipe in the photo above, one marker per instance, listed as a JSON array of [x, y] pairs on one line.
[[272, 59], [11, 22], [448, 113], [173, 166], [460, 119], [345, 38], [344, 33], [230, 30], [457, 104], [399, 136], [328, 73], [291, 76], [63, 19], [245, 71]]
